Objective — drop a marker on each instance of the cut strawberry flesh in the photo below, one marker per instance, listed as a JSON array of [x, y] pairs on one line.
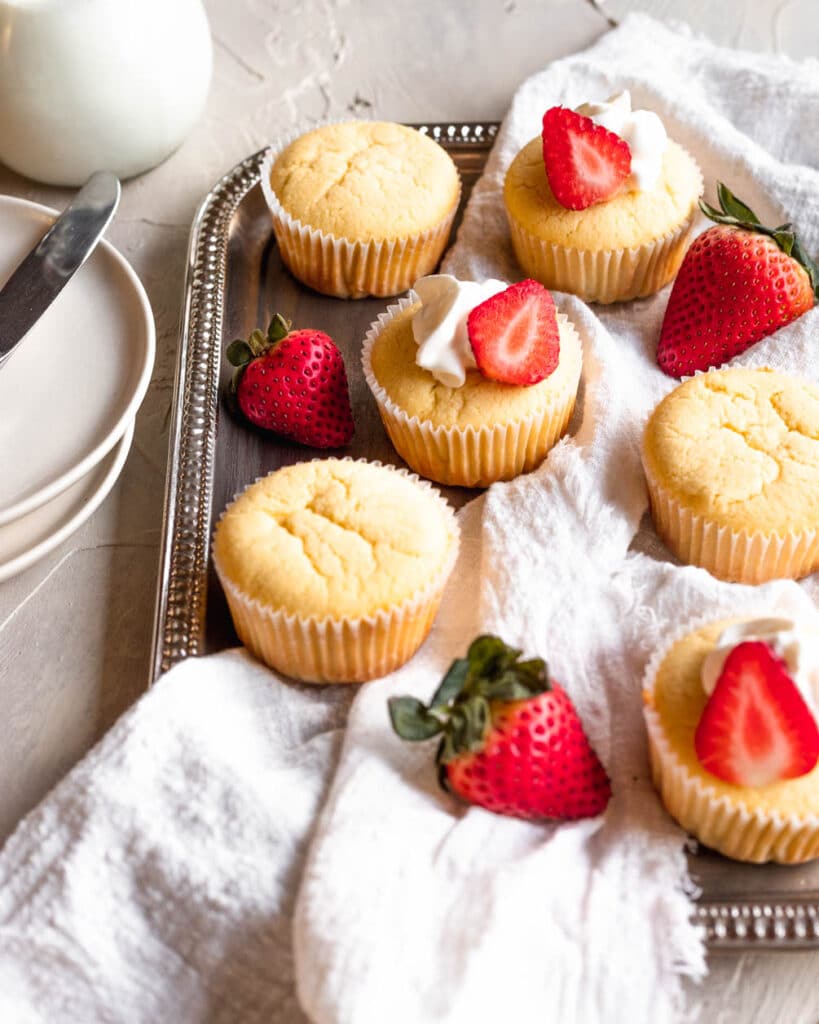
[[585, 163], [514, 335], [756, 727]]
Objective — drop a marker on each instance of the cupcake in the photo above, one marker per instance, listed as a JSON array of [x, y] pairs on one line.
[[334, 569], [602, 203], [731, 459], [474, 382], [731, 711], [361, 208]]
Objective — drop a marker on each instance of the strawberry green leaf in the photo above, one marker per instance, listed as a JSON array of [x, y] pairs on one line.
[[712, 213], [411, 720], [278, 328], [784, 239], [451, 684], [735, 207], [810, 265], [536, 673], [476, 718], [258, 342], [512, 686], [239, 353], [488, 654]]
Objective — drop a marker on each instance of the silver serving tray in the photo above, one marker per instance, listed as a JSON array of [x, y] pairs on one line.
[[233, 270]]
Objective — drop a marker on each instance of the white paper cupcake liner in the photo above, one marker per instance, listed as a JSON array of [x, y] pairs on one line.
[[604, 275], [738, 556], [728, 825], [352, 269], [468, 456], [341, 650]]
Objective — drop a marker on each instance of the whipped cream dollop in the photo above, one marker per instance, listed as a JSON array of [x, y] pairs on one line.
[[642, 130], [439, 326], [796, 645]]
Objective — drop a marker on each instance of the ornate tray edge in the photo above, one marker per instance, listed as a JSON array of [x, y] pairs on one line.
[[179, 619], [733, 926], [179, 623]]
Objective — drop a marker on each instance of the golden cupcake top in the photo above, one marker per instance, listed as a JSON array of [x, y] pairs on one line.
[[740, 446], [334, 538], [479, 401], [630, 218], [679, 697], [366, 180]]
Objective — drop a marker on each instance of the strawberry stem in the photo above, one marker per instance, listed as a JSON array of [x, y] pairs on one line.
[[735, 213]]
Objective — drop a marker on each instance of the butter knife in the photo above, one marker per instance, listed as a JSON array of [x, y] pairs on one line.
[[59, 254]]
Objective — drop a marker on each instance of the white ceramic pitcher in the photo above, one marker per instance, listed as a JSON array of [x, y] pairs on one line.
[[99, 84]]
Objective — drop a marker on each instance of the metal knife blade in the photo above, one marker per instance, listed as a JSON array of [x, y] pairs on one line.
[[60, 253]]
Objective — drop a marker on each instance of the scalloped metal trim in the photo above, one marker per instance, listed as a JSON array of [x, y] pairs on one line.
[[773, 925], [179, 625]]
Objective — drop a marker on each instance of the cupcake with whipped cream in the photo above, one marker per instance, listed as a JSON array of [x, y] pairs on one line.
[[602, 203], [731, 709], [447, 364]]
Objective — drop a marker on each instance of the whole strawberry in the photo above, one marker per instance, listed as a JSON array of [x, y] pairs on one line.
[[293, 384], [739, 282], [511, 740]]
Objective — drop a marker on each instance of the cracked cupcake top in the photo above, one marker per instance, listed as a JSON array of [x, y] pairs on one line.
[[740, 446], [366, 180], [334, 538]]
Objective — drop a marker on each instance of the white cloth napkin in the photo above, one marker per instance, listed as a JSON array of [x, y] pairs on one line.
[[415, 908], [157, 881]]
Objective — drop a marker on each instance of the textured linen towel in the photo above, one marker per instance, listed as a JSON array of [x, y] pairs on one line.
[[414, 908], [157, 881]]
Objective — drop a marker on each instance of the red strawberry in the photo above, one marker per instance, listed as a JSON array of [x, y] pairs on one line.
[[514, 334], [512, 741], [585, 163], [739, 282], [756, 727], [293, 384]]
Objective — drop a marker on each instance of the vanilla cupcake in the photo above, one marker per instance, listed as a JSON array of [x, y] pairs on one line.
[[448, 420], [622, 247], [334, 569], [731, 459], [752, 795], [361, 208]]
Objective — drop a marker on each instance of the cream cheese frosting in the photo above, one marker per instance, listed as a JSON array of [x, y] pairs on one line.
[[795, 644], [643, 131], [439, 326]]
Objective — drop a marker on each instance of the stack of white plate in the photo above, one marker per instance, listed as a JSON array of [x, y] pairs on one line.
[[68, 394]]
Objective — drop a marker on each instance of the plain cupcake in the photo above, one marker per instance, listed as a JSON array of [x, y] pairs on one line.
[[361, 208], [731, 459], [730, 708], [334, 569], [627, 245], [445, 416]]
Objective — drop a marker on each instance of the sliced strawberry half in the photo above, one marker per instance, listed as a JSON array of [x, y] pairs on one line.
[[515, 336], [756, 727], [585, 163]]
